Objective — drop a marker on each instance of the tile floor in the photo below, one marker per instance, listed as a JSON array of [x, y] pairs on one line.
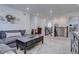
[[52, 45]]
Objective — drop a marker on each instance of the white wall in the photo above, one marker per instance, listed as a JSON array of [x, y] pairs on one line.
[[74, 18], [26, 21], [22, 24], [37, 21], [62, 21], [42, 23], [34, 22]]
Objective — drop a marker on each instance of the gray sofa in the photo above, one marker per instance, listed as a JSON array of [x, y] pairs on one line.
[[10, 41], [8, 44], [5, 49]]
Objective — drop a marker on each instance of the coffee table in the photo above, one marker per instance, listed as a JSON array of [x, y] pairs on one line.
[[25, 42]]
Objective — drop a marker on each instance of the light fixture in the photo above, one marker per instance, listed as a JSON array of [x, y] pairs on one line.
[[27, 8], [51, 11]]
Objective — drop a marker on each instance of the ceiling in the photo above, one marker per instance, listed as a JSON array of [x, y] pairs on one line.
[[43, 9]]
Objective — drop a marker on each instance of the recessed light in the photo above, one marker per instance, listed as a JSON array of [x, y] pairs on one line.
[[27, 8], [51, 11]]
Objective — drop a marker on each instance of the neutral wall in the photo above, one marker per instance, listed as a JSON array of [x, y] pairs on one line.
[[62, 21], [36, 21], [28, 21], [20, 25]]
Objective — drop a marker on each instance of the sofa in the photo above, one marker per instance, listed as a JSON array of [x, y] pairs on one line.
[[5, 49], [8, 40], [9, 37]]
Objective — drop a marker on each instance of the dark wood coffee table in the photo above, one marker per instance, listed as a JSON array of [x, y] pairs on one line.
[[25, 42]]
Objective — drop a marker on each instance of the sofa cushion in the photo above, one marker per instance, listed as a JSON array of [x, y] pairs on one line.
[[1, 41], [13, 34], [10, 39], [2, 35], [4, 48], [9, 52], [12, 45]]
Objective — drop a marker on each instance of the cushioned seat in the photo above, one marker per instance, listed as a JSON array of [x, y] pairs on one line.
[[9, 52], [10, 39], [1, 41], [4, 49]]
